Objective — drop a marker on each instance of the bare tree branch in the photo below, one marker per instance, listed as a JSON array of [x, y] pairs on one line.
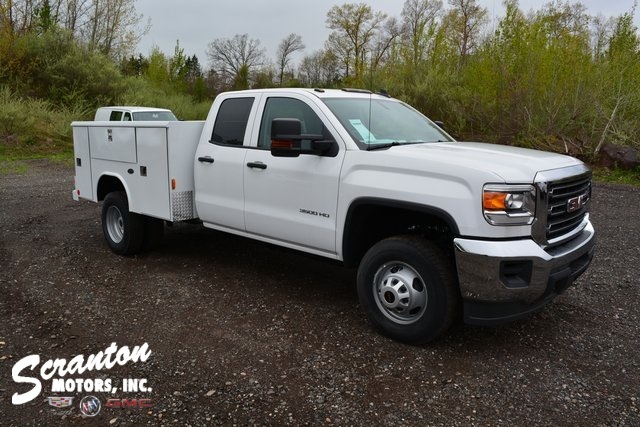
[[230, 57], [288, 46]]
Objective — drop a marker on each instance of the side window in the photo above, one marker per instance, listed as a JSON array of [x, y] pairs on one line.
[[231, 121], [289, 108], [115, 116], [127, 117]]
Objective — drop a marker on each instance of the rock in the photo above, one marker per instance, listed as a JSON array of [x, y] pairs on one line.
[[620, 156]]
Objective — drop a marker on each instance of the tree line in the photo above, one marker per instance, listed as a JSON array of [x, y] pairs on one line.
[[110, 26], [555, 78]]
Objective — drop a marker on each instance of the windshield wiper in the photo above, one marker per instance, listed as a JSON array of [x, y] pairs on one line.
[[372, 147], [382, 146]]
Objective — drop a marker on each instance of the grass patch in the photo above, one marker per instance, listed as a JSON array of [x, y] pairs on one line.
[[617, 176], [63, 158], [34, 129], [12, 167], [16, 163]]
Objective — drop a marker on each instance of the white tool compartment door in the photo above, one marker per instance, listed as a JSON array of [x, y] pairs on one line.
[[115, 142], [84, 185], [150, 180]]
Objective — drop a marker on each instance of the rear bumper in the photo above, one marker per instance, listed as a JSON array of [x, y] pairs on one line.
[[501, 281]]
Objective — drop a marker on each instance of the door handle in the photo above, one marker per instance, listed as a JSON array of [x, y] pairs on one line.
[[257, 165], [206, 159]]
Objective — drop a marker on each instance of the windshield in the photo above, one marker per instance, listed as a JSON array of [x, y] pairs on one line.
[[154, 116], [376, 122]]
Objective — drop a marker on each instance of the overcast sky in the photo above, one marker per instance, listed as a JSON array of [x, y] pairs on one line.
[[195, 23]]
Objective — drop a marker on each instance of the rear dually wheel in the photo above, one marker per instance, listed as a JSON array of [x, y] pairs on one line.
[[123, 230]]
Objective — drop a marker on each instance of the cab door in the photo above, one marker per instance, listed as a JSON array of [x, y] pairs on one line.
[[292, 200], [220, 163]]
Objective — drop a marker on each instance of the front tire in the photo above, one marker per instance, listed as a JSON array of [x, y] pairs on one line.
[[123, 230], [407, 288]]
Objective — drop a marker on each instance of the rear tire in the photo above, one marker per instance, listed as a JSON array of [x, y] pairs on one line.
[[407, 287], [123, 230]]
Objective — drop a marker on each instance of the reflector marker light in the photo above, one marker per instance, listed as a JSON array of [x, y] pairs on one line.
[[281, 144]]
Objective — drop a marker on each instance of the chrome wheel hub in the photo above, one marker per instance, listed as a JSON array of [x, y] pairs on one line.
[[400, 292], [115, 224]]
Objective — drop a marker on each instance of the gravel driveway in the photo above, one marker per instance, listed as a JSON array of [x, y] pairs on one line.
[[246, 333]]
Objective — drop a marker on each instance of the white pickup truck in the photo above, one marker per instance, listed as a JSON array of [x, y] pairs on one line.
[[438, 229]]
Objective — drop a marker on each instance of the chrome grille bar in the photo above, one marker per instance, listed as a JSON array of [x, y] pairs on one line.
[[563, 201]]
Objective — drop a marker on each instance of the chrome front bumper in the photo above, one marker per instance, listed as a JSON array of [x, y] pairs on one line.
[[502, 281]]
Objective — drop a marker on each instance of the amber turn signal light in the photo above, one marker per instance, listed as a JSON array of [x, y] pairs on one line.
[[494, 201]]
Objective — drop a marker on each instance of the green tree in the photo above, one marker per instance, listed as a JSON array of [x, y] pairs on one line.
[[241, 79], [112, 27], [45, 19], [158, 70], [354, 28], [383, 42], [619, 105], [419, 26], [320, 69], [135, 66], [534, 80], [464, 23], [199, 89], [178, 69], [263, 78], [193, 70]]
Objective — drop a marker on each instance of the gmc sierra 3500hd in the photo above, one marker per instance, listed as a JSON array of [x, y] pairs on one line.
[[436, 228]]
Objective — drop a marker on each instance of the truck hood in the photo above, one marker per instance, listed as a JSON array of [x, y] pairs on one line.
[[511, 164]]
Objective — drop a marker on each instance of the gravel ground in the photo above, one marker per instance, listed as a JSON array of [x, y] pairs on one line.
[[244, 333]]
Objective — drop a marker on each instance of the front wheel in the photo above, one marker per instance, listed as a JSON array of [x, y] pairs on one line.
[[407, 288], [123, 230]]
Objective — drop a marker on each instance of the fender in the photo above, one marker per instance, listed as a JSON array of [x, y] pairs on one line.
[[101, 195], [348, 253]]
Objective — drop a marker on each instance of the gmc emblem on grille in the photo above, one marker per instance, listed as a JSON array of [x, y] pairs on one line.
[[577, 202]]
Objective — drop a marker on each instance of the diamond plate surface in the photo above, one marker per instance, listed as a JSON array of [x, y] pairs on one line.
[[182, 205]]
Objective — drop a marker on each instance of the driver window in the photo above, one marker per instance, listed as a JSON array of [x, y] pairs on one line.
[[289, 108]]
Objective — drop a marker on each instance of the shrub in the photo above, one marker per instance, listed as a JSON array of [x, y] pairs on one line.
[[33, 127], [140, 92]]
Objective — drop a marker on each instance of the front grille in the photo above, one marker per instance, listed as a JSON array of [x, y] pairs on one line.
[[568, 204]]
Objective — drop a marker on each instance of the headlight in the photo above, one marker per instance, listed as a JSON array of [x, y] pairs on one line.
[[509, 204]]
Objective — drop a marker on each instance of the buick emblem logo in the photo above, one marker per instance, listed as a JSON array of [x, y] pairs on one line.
[[576, 203], [90, 406]]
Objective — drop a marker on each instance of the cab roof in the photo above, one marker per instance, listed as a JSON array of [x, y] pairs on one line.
[[324, 93], [133, 109]]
